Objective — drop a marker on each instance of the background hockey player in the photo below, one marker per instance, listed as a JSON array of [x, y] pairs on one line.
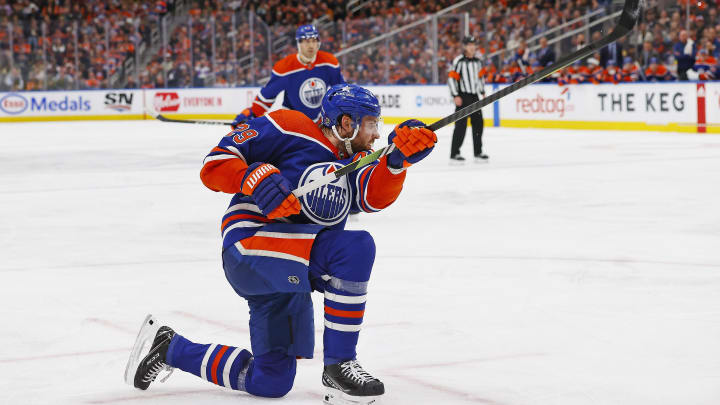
[[466, 85], [305, 76], [278, 248]]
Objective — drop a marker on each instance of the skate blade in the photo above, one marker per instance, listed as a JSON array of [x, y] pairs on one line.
[[482, 161], [456, 162], [337, 397], [142, 346]]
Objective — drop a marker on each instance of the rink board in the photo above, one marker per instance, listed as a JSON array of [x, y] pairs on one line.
[[672, 107]]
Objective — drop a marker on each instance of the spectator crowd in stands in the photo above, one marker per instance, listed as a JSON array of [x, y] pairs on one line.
[[659, 49], [63, 44]]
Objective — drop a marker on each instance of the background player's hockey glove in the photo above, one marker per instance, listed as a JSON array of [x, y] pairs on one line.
[[413, 141], [245, 116], [270, 190]]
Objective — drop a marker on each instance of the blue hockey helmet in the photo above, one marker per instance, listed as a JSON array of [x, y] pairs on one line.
[[350, 99], [305, 32]]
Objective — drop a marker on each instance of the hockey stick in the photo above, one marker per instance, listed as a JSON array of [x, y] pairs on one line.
[[628, 18], [163, 118]]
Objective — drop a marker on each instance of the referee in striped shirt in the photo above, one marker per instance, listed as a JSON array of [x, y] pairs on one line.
[[466, 85]]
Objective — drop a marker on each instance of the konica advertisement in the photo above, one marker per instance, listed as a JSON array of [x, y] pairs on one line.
[[674, 107]]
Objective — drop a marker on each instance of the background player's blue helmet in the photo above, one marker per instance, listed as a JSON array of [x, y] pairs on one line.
[[306, 31], [349, 99]]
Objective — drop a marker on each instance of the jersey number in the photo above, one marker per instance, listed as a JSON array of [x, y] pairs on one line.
[[242, 134]]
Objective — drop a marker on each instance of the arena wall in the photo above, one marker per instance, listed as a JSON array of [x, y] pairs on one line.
[[673, 107]]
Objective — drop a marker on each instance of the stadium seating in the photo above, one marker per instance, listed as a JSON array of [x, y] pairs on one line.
[[54, 44]]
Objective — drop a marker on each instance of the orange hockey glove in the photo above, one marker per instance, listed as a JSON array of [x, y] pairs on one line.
[[413, 142], [270, 190]]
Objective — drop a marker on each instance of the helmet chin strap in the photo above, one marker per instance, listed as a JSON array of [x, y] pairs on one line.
[[346, 141]]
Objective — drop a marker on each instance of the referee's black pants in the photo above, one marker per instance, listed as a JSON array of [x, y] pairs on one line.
[[476, 120]]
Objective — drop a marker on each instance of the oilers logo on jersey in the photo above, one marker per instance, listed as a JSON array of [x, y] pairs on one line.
[[330, 203], [312, 91]]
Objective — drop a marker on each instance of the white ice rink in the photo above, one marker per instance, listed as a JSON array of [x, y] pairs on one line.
[[577, 268]]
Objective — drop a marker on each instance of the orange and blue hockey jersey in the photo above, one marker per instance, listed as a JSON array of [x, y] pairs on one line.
[[706, 66], [294, 144], [658, 74], [304, 85]]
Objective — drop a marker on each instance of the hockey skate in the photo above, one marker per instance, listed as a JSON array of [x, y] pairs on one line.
[[347, 383], [457, 160], [147, 358], [481, 158]]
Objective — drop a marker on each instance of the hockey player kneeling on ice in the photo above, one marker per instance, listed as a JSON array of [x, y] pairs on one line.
[[278, 248]]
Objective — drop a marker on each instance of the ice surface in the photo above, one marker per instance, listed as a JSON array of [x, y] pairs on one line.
[[574, 268]]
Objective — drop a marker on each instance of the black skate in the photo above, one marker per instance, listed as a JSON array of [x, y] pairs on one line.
[[456, 160], [141, 371], [347, 383], [481, 158]]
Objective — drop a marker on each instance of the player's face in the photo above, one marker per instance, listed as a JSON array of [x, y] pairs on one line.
[[309, 47], [368, 133]]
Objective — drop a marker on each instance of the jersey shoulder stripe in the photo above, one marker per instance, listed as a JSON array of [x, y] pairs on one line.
[[221, 153], [326, 59], [295, 123], [287, 65], [291, 63]]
